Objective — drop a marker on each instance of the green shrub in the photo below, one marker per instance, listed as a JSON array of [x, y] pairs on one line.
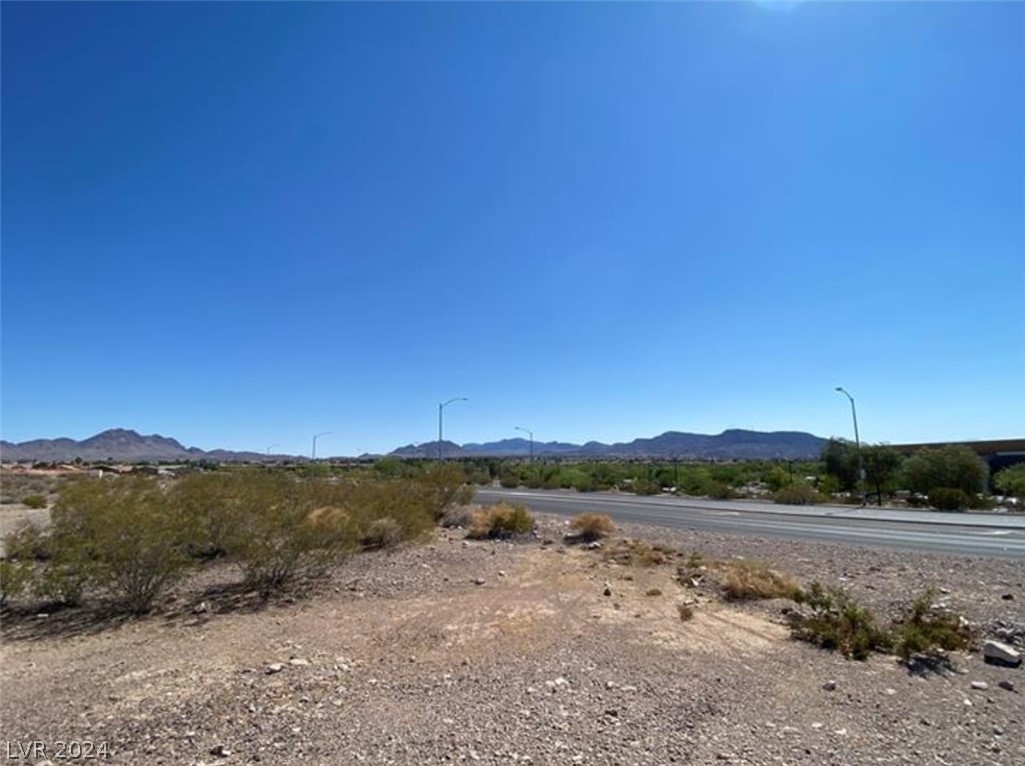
[[123, 535], [277, 534], [946, 499], [1011, 480], [501, 521], [15, 577], [838, 622], [510, 479], [798, 493], [589, 527], [445, 485], [35, 501], [927, 632]]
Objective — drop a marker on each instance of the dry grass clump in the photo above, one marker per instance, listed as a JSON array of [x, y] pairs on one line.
[[588, 527], [500, 521], [750, 580], [636, 552], [653, 592], [685, 610]]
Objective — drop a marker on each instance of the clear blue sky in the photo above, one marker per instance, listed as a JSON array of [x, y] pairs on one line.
[[241, 224]]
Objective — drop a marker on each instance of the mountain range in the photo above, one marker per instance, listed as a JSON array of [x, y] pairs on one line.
[[733, 444], [125, 445]]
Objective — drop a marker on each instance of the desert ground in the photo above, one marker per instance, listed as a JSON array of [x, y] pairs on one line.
[[512, 652]]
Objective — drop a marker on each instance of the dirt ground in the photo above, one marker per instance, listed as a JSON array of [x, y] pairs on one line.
[[460, 651]]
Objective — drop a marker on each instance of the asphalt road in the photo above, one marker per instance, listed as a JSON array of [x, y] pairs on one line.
[[977, 534]]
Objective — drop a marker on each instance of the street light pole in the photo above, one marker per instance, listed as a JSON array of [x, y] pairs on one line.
[[857, 444], [313, 454], [531, 435], [441, 407]]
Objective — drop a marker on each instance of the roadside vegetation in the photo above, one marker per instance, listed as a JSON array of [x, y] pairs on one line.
[[125, 541]]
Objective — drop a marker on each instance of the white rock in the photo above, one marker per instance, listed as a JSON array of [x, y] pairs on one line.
[[980, 685], [275, 667], [999, 653]]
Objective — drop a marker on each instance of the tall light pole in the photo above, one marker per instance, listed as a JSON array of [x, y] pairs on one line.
[[857, 443], [531, 435], [441, 408], [313, 453]]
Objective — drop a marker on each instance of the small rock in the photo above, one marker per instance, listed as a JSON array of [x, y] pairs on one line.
[[201, 608], [829, 686], [816, 725], [274, 667], [608, 590], [478, 581], [997, 653], [980, 685], [612, 713], [220, 751], [1008, 597], [594, 545], [890, 692], [998, 731], [1008, 685], [298, 662], [501, 573]]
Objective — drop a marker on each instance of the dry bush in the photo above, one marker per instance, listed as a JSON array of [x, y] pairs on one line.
[[744, 581], [685, 610], [588, 527], [653, 592], [384, 532], [459, 516], [500, 521], [635, 552]]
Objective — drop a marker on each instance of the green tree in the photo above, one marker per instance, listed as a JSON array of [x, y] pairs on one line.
[[1011, 480], [882, 466], [950, 467], [840, 460]]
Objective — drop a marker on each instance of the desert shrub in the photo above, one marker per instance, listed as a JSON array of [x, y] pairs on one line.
[[797, 494], [384, 532], [635, 553], [750, 580], [838, 622], [653, 592], [209, 501], [277, 534], [589, 527], [15, 577], [928, 632], [409, 502], [445, 485], [123, 536], [509, 479], [34, 501], [946, 499], [500, 521], [460, 516], [685, 610]]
